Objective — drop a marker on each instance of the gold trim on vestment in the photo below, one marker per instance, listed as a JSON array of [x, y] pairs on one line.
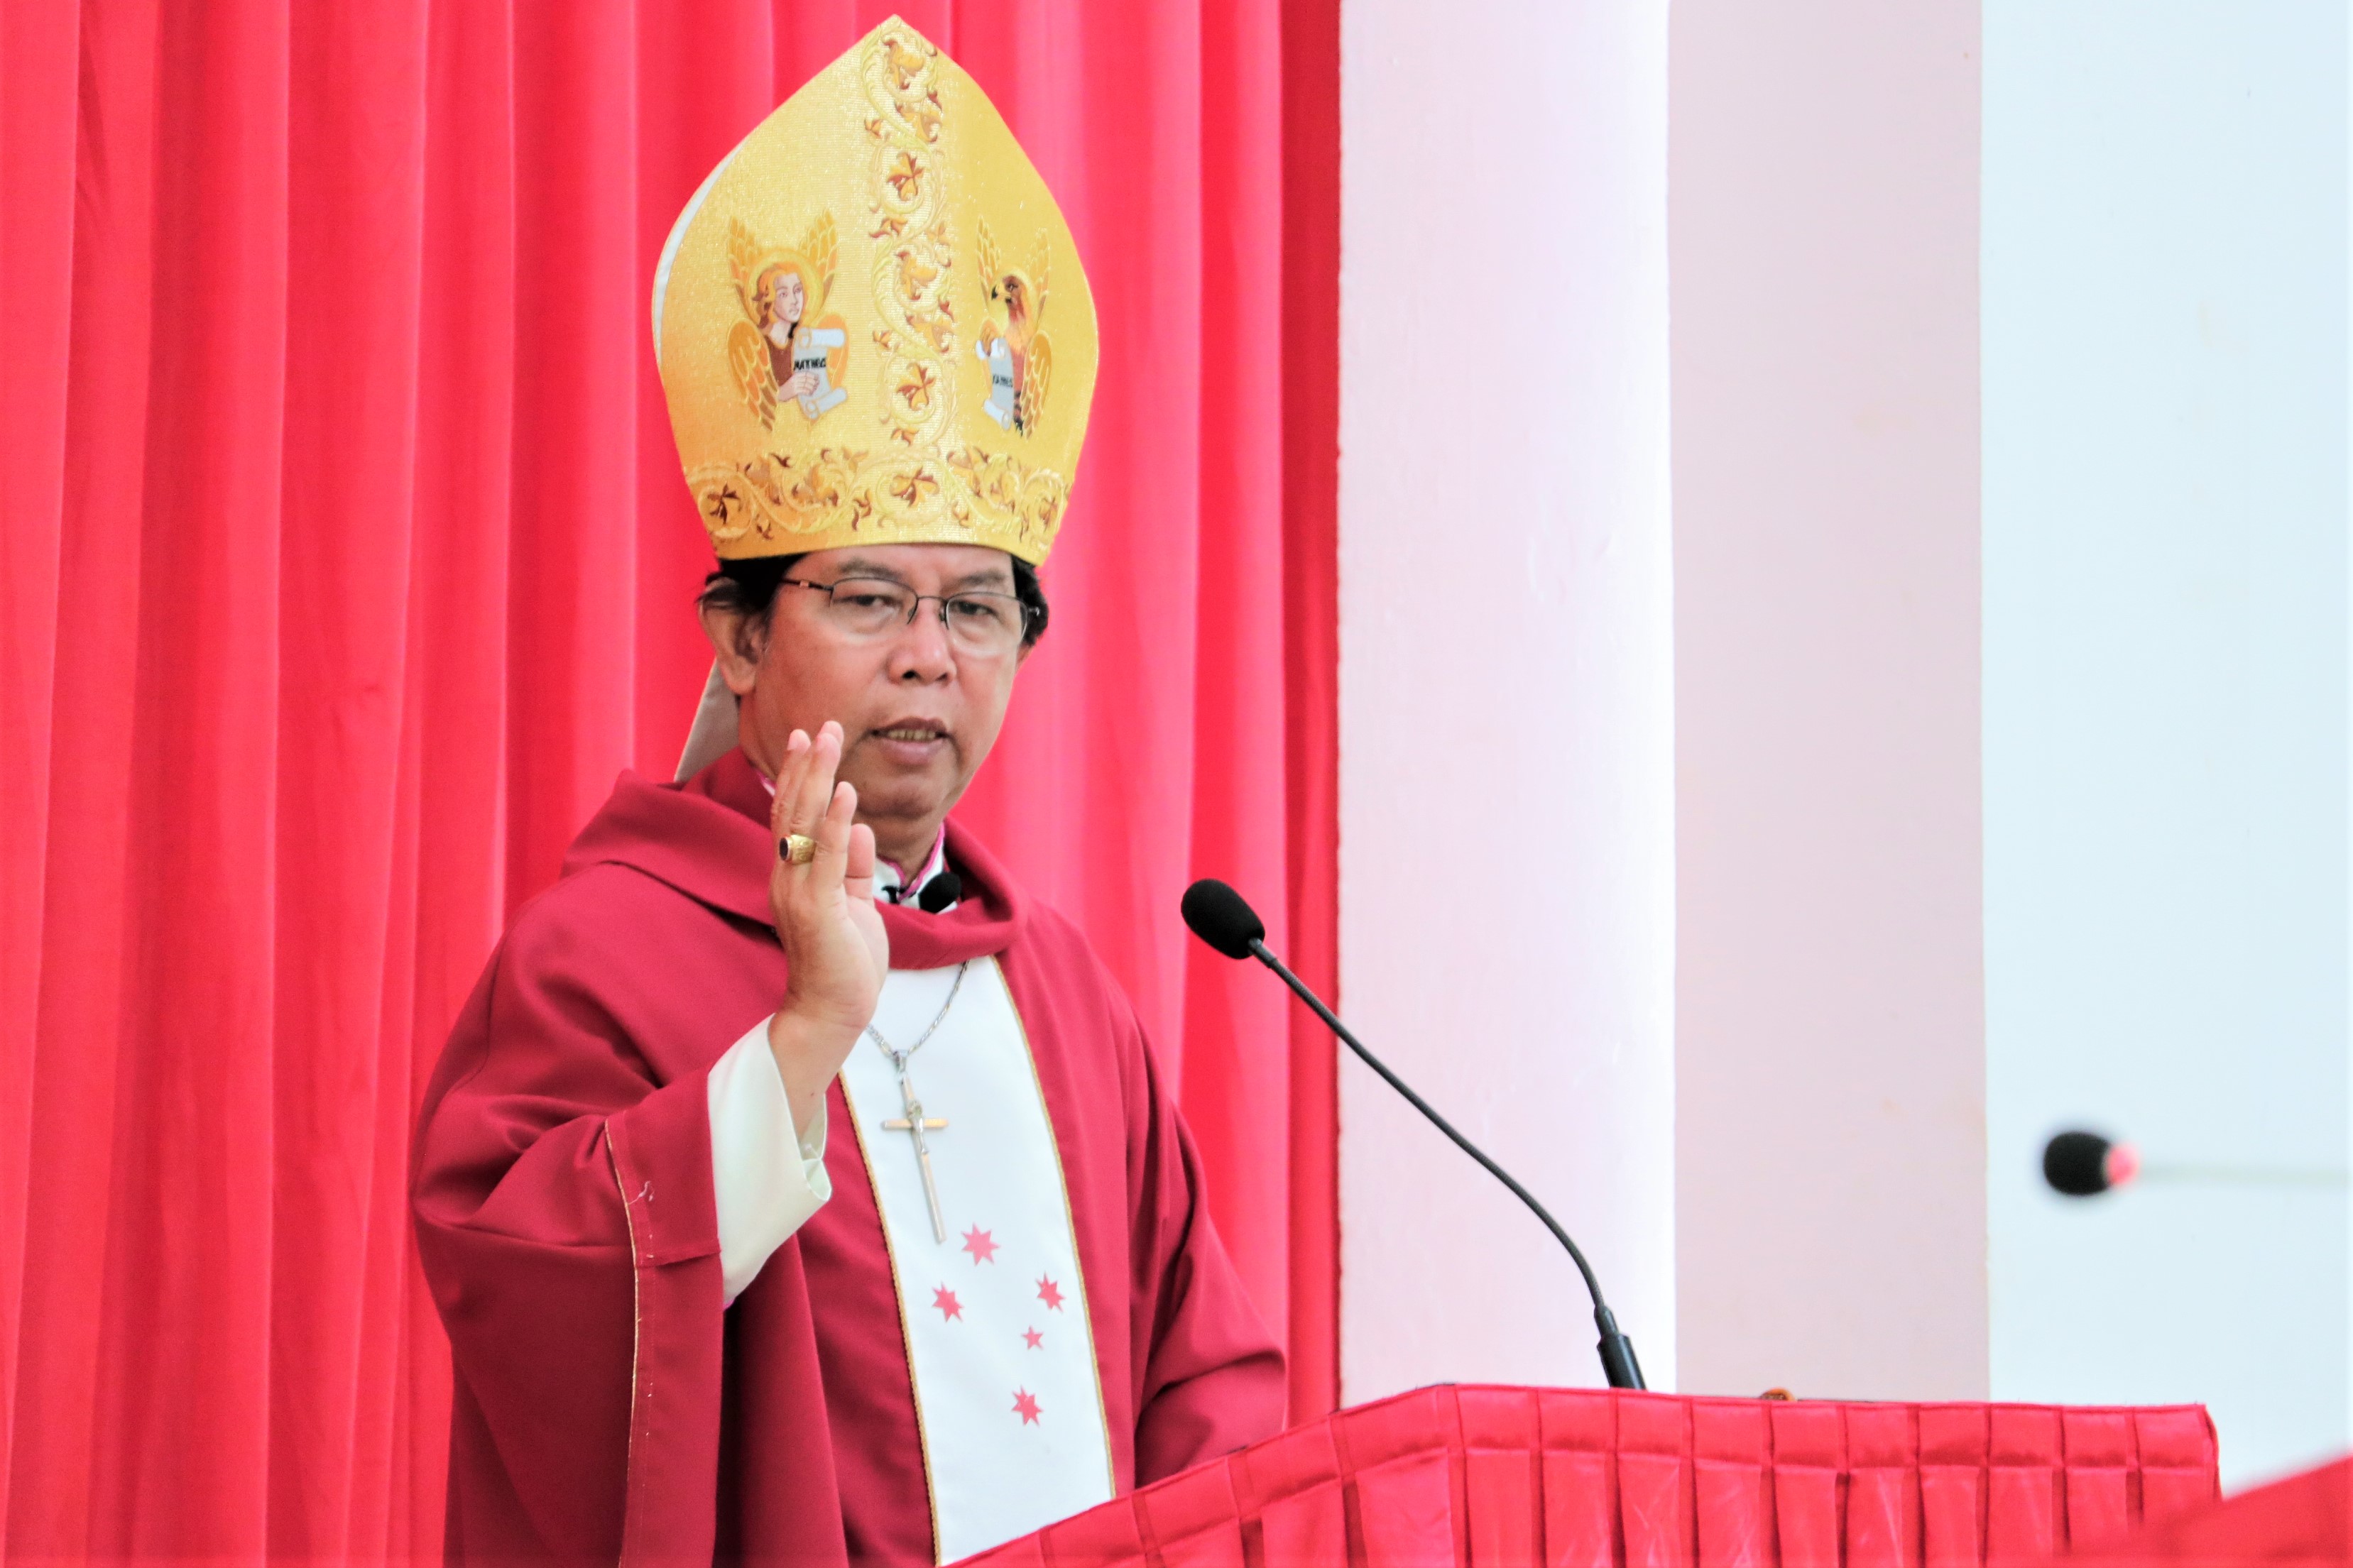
[[637, 1342], [1078, 1254]]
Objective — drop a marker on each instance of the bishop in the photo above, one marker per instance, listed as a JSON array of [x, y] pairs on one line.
[[695, 1289]]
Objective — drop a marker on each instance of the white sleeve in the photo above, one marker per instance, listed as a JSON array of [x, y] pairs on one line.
[[767, 1182]]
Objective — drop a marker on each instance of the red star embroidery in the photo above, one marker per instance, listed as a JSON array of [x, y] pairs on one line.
[[978, 1242], [1024, 1405], [1050, 1293], [1033, 1338], [944, 1300]]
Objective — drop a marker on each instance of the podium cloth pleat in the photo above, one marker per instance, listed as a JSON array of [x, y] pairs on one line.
[[2303, 1521]]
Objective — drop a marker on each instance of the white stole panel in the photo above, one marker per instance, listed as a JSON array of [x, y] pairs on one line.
[[1002, 1357]]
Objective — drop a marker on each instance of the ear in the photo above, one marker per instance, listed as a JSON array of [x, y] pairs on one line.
[[738, 642]]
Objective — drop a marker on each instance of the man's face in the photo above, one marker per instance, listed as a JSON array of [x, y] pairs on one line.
[[918, 714]]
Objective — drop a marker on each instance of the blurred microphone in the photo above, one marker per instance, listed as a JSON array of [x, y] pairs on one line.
[[1223, 919], [2084, 1165]]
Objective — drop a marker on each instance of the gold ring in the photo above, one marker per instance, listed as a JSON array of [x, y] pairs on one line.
[[798, 848]]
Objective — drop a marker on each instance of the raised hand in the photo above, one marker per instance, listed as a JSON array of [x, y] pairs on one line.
[[825, 919]]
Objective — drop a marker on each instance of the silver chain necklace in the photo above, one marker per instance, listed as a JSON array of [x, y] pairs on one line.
[[899, 1057], [913, 1121]]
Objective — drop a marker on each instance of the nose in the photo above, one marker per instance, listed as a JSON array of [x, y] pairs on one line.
[[921, 656]]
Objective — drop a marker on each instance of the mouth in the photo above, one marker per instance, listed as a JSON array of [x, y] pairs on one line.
[[911, 742], [911, 731]]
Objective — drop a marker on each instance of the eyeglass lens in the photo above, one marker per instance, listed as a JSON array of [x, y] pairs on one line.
[[873, 606]]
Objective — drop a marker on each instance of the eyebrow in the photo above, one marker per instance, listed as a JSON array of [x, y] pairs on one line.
[[858, 566]]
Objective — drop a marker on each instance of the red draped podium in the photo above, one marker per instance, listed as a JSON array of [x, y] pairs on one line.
[[1486, 1477]]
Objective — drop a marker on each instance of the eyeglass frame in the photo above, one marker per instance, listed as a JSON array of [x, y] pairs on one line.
[[1021, 633]]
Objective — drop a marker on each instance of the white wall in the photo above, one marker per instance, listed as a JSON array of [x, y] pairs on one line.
[[2164, 357], [1829, 1070], [1506, 772]]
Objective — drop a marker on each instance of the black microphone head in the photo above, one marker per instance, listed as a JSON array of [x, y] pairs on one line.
[[1222, 918], [2076, 1163], [940, 892]]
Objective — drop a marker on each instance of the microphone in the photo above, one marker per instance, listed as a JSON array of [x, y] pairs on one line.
[[2084, 1165], [1223, 919], [940, 892]]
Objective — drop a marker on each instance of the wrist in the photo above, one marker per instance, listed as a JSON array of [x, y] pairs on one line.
[[808, 1052]]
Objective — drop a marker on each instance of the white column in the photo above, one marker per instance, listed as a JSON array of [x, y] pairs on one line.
[[1830, 1047], [1506, 773]]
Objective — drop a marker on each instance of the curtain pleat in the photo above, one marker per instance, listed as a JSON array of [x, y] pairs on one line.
[[188, 1259], [1237, 1022], [343, 561], [1311, 663], [80, 847], [39, 50], [357, 101]]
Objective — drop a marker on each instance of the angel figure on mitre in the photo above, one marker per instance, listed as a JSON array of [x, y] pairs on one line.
[[787, 348], [1020, 356]]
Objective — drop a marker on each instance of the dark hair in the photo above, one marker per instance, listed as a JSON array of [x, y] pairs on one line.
[[749, 588]]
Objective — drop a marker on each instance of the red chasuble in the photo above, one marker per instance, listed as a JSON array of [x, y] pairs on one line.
[[610, 1404]]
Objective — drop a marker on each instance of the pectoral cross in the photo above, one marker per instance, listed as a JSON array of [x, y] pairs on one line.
[[914, 1124]]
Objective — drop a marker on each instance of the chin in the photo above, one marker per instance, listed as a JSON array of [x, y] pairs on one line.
[[934, 779], [901, 799]]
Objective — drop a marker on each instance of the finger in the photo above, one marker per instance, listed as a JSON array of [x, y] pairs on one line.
[[815, 784], [788, 783], [831, 866], [858, 877]]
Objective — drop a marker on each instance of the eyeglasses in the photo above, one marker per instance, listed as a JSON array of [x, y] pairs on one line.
[[865, 609]]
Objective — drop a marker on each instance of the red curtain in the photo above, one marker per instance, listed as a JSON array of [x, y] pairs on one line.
[[345, 559]]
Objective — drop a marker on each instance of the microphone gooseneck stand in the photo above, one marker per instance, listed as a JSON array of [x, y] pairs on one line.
[[1223, 919]]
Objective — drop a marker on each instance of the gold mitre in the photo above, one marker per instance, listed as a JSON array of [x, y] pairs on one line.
[[871, 322]]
